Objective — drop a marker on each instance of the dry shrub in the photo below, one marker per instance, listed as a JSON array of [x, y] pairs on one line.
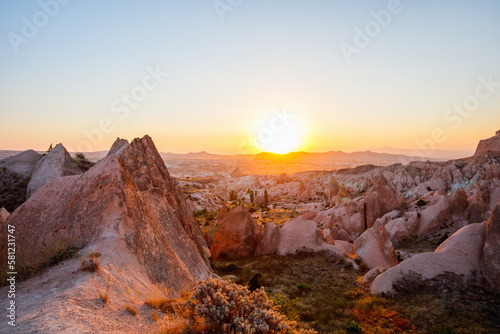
[[130, 309], [217, 306]]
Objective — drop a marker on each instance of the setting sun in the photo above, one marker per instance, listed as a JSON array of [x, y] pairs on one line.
[[279, 132]]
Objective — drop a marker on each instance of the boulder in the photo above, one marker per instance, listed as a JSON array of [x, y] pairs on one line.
[[375, 248], [492, 172], [478, 206], [380, 199], [372, 274], [344, 246], [460, 254], [332, 188], [57, 163], [237, 236], [437, 211], [223, 211], [403, 227], [130, 206], [269, 240], [22, 163], [459, 203], [347, 221], [490, 260], [490, 144], [118, 146], [301, 234], [343, 196]]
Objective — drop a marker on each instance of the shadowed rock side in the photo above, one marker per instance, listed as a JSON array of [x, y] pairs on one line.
[[490, 261], [237, 236], [55, 164], [129, 198], [380, 199], [22, 163]]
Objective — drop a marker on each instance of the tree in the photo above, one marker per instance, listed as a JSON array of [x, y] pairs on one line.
[[233, 195], [252, 196], [266, 198], [80, 156], [50, 148]]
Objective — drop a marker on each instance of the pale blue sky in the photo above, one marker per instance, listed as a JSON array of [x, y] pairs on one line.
[[226, 76]]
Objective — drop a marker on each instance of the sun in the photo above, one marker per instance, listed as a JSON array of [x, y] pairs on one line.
[[281, 133]]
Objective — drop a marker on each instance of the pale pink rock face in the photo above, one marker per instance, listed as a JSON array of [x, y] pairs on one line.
[[435, 214], [55, 164], [490, 144], [237, 236], [459, 254], [124, 199], [375, 248]]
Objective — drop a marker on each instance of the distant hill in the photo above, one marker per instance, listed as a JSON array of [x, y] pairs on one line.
[[365, 157]]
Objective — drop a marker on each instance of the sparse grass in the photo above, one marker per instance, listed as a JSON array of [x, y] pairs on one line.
[[93, 260], [339, 303], [104, 294], [132, 310], [61, 250]]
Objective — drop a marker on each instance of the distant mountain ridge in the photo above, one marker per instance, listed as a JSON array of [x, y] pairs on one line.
[[332, 156]]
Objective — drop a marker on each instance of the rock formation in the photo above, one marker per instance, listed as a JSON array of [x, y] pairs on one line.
[[460, 254], [127, 202], [380, 199], [22, 163], [490, 261], [375, 248], [118, 146], [237, 236], [490, 144], [55, 164]]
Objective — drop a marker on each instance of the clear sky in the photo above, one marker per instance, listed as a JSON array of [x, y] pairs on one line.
[[237, 76]]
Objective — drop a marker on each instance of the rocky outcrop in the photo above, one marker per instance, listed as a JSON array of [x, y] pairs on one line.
[[118, 146], [399, 229], [460, 254], [55, 164], [490, 261], [380, 199], [346, 221], [127, 202], [477, 211], [332, 188], [295, 235], [223, 211], [459, 203], [22, 163], [375, 248], [436, 211], [237, 236], [490, 144]]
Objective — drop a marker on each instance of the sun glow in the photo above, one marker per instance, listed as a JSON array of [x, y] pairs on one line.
[[281, 132]]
